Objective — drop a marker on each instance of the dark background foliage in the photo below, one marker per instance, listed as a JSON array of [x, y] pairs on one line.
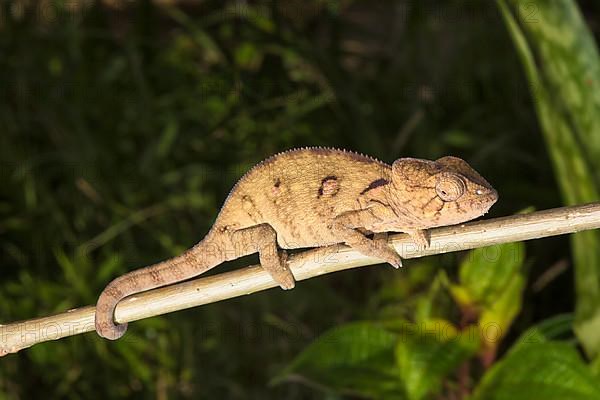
[[125, 123]]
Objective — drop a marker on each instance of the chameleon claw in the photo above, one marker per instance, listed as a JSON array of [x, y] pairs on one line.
[[397, 263], [421, 238]]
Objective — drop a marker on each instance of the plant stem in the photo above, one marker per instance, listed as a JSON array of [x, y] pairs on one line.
[[304, 265]]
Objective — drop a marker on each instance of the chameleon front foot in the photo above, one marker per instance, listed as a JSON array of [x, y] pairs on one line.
[[420, 237], [385, 252]]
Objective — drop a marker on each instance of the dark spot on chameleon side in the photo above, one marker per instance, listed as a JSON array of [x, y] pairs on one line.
[[375, 184], [276, 189], [329, 186]]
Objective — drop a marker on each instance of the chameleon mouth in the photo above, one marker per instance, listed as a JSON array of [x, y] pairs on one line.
[[484, 200], [486, 196], [493, 195], [488, 201]]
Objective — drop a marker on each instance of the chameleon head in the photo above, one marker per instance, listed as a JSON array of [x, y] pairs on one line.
[[438, 193]]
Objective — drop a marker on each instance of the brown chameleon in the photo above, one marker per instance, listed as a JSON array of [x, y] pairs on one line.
[[314, 197]]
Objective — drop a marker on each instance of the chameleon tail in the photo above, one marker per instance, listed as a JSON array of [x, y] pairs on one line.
[[200, 258]]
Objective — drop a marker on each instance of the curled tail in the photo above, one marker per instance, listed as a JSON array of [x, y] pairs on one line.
[[200, 258]]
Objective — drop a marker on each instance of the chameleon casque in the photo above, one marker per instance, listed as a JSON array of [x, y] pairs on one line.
[[313, 197]]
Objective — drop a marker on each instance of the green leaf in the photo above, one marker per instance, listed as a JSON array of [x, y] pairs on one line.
[[562, 65], [539, 371], [357, 358], [108, 267], [497, 316], [426, 358], [554, 328], [170, 132], [487, 271], [73, 273], [492, 282], [595, 367], [248, 56], [367, 360]]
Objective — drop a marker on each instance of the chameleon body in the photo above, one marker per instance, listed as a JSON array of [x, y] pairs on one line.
[[314, 197]]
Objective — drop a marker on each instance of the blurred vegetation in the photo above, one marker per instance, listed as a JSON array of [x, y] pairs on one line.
[[566, 84], [124, 124]]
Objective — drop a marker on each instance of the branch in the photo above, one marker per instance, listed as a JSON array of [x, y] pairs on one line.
[[304, 265]]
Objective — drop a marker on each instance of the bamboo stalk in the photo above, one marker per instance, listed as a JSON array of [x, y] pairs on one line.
[[305, 265]]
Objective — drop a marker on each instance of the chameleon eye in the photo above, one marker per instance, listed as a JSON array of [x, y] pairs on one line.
[[449, 187]]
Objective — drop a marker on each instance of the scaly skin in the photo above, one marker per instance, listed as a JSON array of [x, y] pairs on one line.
[[314, 197]]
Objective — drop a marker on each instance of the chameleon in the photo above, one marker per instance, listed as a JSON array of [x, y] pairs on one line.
[[316, 197]]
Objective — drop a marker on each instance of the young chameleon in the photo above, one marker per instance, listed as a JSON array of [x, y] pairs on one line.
[[313, 197]]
